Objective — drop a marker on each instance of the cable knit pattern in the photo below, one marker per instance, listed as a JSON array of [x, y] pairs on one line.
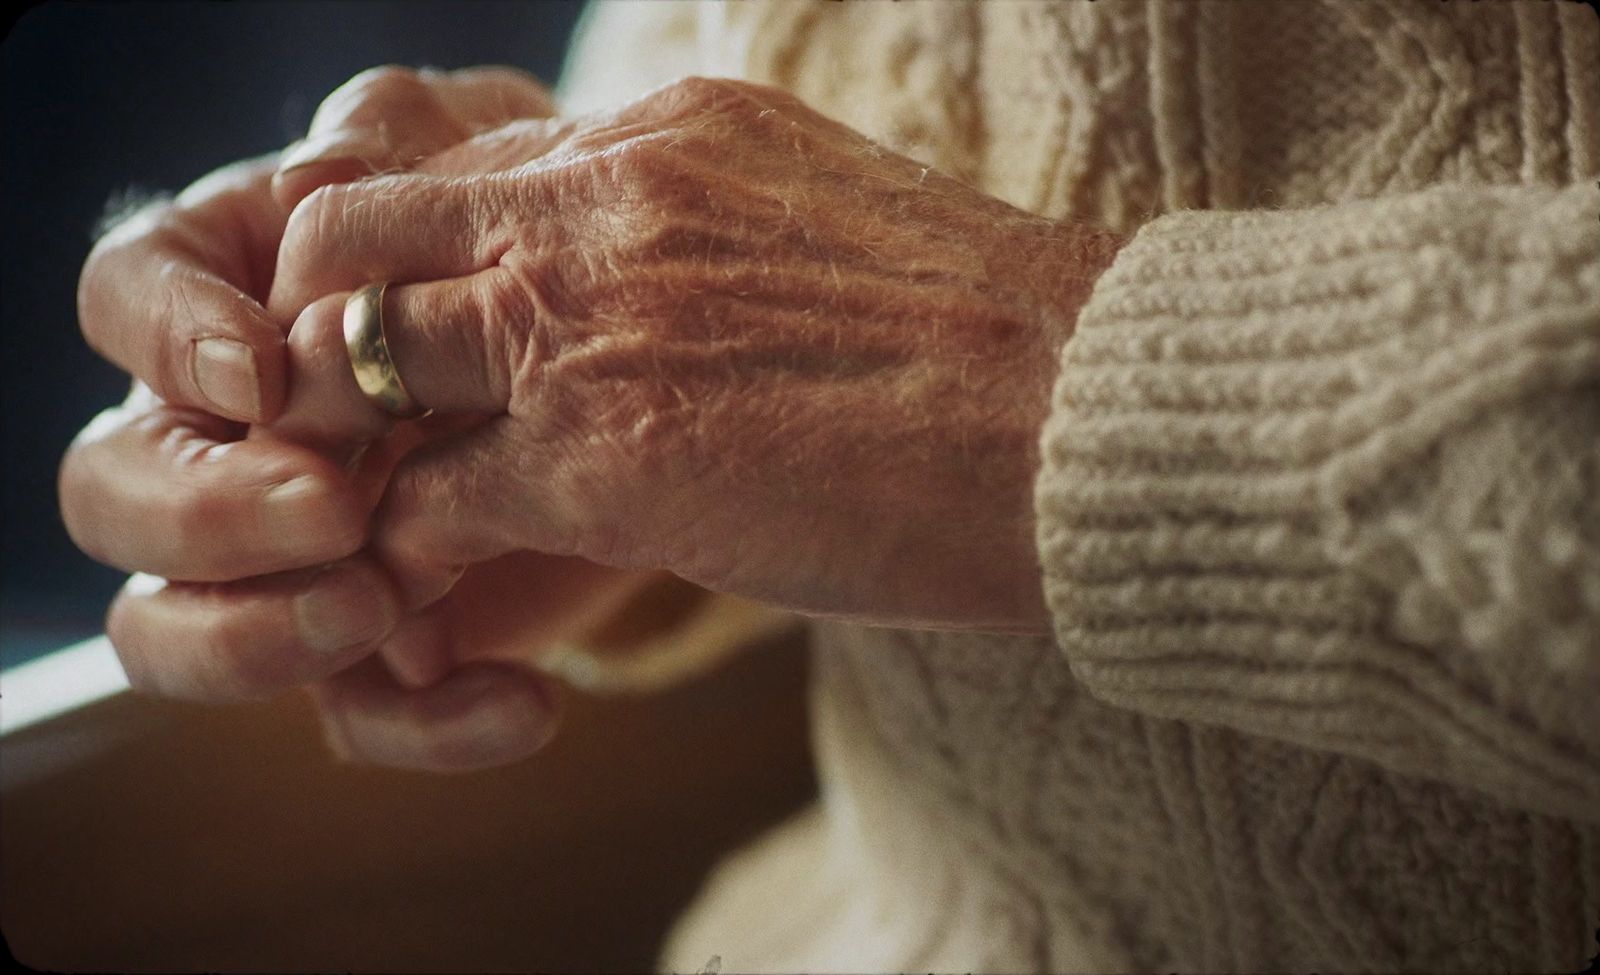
[[1319, 508], [1333, 476]]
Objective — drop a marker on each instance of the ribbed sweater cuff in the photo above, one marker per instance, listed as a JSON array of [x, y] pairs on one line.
[[1251, 407]]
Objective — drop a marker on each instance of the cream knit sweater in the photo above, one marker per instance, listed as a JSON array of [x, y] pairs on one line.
[[1319, 513]]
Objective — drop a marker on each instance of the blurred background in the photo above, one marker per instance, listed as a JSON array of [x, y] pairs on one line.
[[103, 98]]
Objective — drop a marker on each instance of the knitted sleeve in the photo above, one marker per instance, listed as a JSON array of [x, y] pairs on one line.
[[1332, 476]]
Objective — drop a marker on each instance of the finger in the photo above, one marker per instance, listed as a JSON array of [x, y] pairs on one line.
[[499, 149], [166, 296], [420, 651], [324, 403], [169, 491], [458, 343], [392, 95], [250, 639], [515, 607], [380, 121], [324, 160], [469, 499], [389, 118], [491, 95], [522, 604], [453, 343], [390, 228], [480, 716]]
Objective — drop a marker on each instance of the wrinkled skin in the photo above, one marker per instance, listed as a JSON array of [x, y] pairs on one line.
[[712, 333], [753, 349], [167, 484]]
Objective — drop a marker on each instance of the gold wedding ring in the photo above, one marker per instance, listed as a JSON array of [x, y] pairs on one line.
[[369, 355]]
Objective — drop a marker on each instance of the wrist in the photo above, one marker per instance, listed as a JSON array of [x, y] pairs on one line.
[[1067, 260], [1074, 258]]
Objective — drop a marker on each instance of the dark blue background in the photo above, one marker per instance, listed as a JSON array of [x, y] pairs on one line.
[[100, 98]]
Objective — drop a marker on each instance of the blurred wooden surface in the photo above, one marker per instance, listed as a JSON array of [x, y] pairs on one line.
[[226, 839]]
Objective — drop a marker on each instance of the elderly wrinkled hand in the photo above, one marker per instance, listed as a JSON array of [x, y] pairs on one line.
[[251, 575], [713, 333]]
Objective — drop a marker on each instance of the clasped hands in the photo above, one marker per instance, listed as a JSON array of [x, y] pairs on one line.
[[711, 333]]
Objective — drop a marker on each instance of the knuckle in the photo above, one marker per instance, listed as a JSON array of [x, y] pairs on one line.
[[633, 165], [313, 215], [511, 307], [386, 78], [311, 227], [508, 301], [657, 176], [700, 93]]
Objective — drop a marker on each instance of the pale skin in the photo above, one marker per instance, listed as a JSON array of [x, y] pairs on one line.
[[712, 333]]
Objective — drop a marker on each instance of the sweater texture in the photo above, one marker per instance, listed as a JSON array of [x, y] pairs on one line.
[[1318, 511]]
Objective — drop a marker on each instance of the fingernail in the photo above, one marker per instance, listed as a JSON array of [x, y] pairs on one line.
[[341, 611], [225, 371], [320, 148]]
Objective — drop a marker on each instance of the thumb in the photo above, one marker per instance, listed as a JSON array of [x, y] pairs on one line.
[[480, 715]]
